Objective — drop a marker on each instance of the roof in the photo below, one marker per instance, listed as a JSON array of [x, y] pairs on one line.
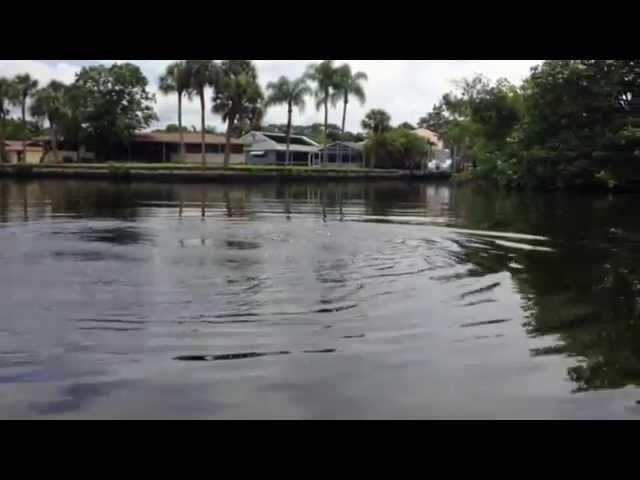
[[280, 140], [189, 137], [353, 145], [433, 137]]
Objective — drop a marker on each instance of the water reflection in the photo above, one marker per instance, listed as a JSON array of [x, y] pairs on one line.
[[425, 278]]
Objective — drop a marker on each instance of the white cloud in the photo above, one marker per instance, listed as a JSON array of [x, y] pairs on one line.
[[407, 89]]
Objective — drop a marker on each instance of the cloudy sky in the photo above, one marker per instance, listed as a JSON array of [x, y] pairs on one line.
[[407, 89]]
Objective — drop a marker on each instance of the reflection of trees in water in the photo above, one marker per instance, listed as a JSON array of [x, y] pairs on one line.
[[587, 292]]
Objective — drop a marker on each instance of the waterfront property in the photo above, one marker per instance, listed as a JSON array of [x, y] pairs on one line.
[[431, 136], [265, 148], [165, 147], [155, 147], [340, 154]]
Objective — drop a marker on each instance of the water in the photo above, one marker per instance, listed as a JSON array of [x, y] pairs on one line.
[[381, 300]]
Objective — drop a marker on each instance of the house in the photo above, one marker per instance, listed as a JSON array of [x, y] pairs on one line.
[[431, 136], [165, 147], [340, 154], [15, 151], [266, 148], [157, 147]]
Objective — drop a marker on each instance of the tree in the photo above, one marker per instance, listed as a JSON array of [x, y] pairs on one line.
[[290, 93], [325, 76], [407, 126], [177, 79], [70, 122], [203, 74], [376, 122], [237, 92], [48, 102], [348, 84], [25, 86], [115, 103], [8, 97]]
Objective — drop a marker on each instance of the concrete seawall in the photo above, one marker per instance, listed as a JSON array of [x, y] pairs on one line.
[[191, 174]]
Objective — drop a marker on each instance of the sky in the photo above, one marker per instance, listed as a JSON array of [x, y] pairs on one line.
[[406, 89]]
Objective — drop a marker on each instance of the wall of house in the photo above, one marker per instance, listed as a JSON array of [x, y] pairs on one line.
[[268, 159], [69, 154], [211, 158]]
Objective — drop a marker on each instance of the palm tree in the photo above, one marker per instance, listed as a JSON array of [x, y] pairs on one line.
[[290, 93], [49, 103], [177, 79], [349, 84], [237, 92], [8, 97], [202, 74], [376, 122], [325, 76], [25, 86]]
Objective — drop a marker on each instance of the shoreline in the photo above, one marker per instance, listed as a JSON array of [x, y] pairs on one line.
[[195, 173]]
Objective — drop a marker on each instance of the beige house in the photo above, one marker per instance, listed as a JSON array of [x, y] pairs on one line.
[[165, 147], [158, 147], [433, 137]]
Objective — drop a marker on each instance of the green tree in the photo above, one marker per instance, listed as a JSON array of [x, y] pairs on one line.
[[177, 79], [49, 103], [8, 96], [71, 119], [407, 126], [237, 92], [325, 76], [25, 86], [348, 84], [115, 103], [173, 128], [203, 74], [376, 122], [436, 120], [292, 94]]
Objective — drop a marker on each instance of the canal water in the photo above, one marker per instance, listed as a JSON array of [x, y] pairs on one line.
[[346, 300]]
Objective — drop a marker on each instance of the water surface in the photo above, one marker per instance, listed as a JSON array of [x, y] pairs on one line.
[[351, 300]]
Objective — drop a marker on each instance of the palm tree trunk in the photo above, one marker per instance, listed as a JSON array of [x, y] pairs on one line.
[[286, 158], [204, 155], [180, 126], [3, 130], [227, 141], [373, 154], [326, 126], [54, 141], [24, 125], [344, 115]]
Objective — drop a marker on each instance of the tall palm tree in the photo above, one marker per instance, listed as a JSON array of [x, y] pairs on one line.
[[290, 93], [25, 86], [202, 74], [49, 103], [325, 76], [237, 92], [376, 122], [177, 79], [349, 84], [8, 97]]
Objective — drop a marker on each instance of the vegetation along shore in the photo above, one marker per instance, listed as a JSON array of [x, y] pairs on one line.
[[570, 124]]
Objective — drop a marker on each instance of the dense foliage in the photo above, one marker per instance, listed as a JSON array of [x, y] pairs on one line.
[[113, 103], [572, 123]]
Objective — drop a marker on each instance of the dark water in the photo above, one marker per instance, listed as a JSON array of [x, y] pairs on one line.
[[307, 301]]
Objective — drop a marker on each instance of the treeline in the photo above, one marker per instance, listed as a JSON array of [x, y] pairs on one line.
[[101, 109], [105, 106], [572, 123]]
